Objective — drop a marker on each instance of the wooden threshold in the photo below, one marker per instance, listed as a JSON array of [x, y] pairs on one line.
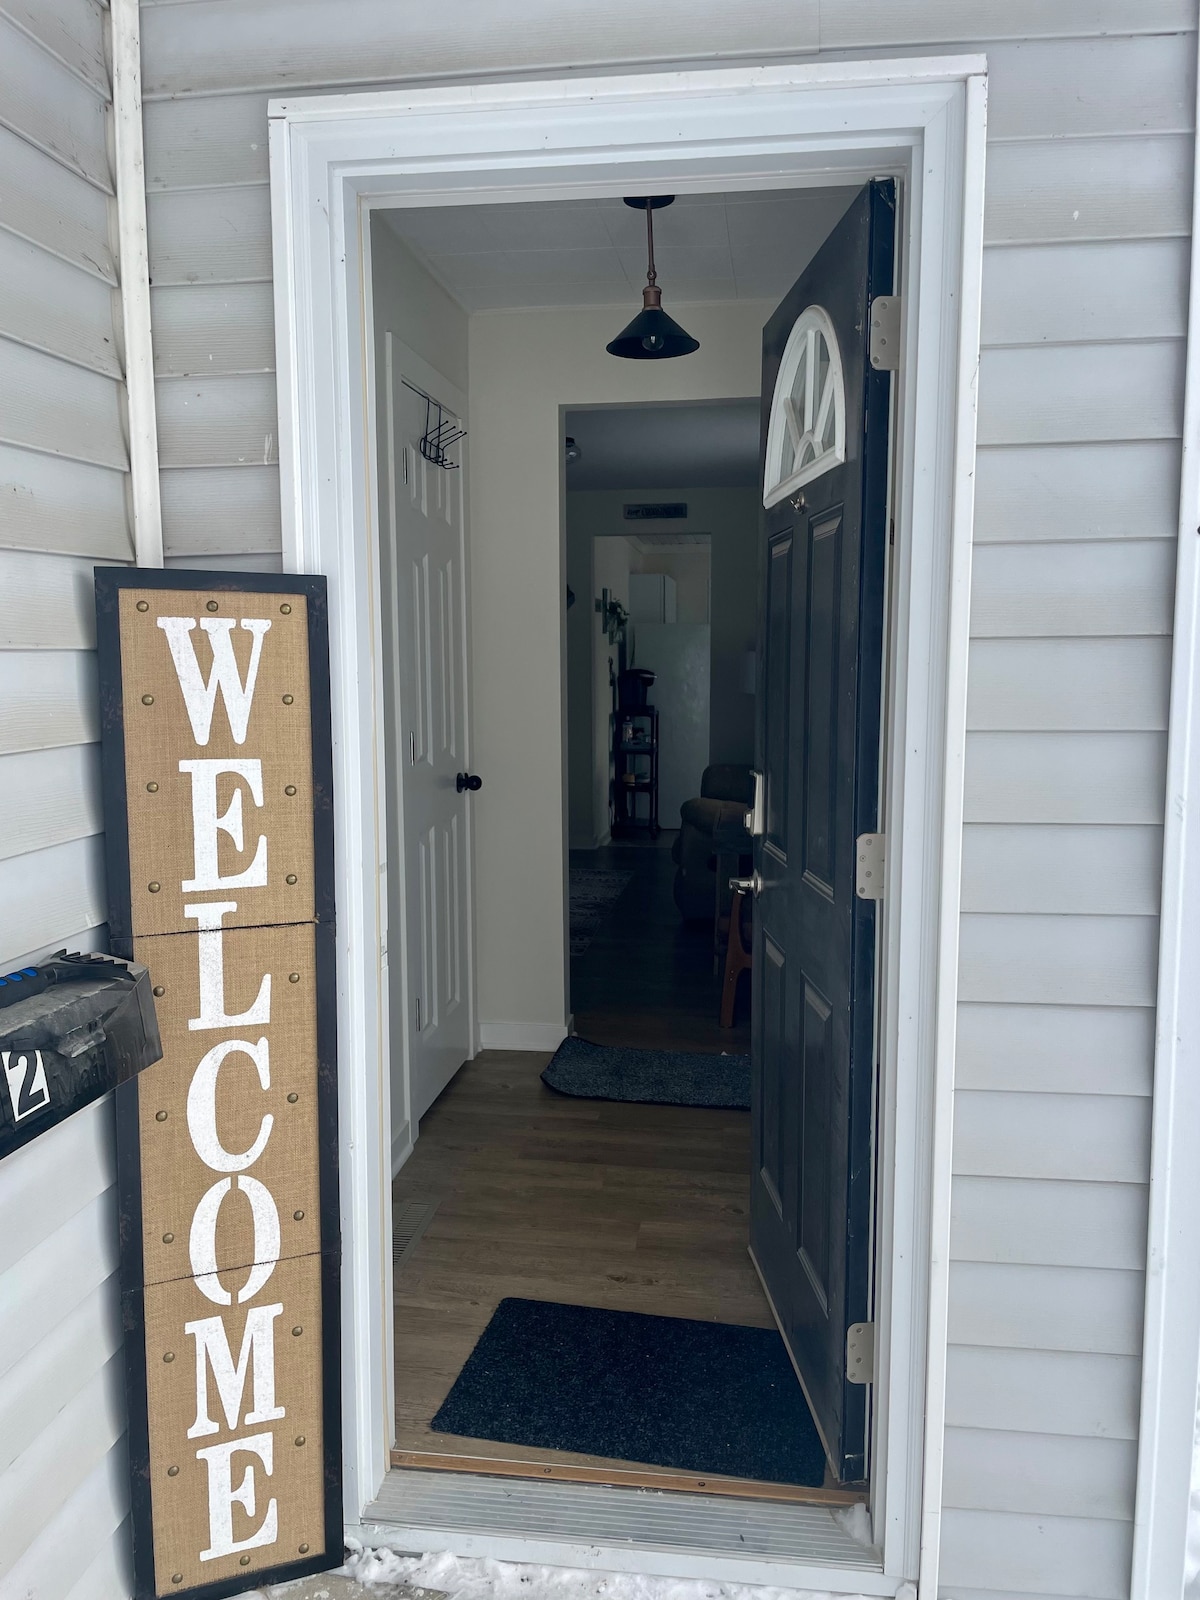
[[627, 1478]]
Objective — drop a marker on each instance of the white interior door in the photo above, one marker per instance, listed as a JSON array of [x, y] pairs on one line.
[[423, 574]]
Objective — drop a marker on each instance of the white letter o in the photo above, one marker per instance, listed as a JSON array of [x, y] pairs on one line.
[[202, 1242]]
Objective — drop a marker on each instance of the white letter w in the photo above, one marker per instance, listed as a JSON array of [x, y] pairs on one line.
[[200, 697]]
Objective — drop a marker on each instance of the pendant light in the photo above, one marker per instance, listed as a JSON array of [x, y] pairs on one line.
[[652, 335]]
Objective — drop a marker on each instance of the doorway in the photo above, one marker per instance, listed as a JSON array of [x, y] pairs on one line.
[[661, 520], [949, 84], [642, 1117]]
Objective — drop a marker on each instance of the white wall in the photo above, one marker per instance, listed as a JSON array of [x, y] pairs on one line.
[[414, 306], [731, 518], [63, 1475], [610, 570], [526, 367], [678, 654], [688, 568], [580, 624], [594, 560]]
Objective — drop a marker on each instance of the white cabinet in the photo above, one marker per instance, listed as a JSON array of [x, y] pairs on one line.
[[652, 597]]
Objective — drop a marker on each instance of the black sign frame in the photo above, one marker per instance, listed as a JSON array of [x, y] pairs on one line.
[[109, 583]]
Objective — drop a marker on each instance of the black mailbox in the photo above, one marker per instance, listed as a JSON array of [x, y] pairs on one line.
[[71, 1029]]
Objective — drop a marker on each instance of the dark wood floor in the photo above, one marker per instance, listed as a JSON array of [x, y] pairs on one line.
[[629, 1207], [647, 977]]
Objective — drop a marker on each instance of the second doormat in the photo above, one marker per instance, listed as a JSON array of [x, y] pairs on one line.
[[649, 1077], [701, 1397]]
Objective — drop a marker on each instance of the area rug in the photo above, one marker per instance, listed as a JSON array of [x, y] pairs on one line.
[[701, 1397], [650, 1077], [592, 893]]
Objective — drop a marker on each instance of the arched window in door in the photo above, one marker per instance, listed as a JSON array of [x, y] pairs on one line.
[[806, 435]]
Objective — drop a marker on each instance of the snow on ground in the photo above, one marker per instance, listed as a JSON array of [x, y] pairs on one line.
[[480, 1578]]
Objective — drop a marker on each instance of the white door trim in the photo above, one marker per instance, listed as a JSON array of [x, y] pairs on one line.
[[1171, 1338], [332, 159]]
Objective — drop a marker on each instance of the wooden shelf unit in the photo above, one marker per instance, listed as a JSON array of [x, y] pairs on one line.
[[634, 772]]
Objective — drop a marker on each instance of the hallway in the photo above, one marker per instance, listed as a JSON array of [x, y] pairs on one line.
[[647, 977], [538, 1196]]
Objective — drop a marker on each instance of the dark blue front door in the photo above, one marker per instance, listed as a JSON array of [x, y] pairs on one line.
[[818, 748]]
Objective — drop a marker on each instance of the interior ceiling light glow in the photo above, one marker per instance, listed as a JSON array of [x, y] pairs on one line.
[[652, 335]]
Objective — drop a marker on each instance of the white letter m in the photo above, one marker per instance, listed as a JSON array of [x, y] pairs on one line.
[[212, 1347], [199, 697]]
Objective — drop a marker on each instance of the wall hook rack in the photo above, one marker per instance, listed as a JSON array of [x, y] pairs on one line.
[[440, 433]]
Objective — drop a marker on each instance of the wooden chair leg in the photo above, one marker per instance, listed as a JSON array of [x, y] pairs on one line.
[[737, 960]]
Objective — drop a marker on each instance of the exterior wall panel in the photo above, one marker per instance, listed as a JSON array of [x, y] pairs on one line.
[[46, 104], [1088, 217], [63, 1494], [53, 206], [1115, 490], [70, 30]]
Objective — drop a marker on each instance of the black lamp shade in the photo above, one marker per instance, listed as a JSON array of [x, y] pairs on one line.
[[651, 336]]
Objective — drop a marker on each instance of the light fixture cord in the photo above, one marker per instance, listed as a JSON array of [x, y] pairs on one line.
[[651, 274]]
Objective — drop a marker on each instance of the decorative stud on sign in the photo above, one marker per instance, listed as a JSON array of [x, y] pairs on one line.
[[219, 827]]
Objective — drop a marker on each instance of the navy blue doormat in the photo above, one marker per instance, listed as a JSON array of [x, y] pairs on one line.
[[652, 1077], [702, 1397]]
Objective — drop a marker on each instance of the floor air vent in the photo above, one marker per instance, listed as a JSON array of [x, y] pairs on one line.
[[410, 1218]]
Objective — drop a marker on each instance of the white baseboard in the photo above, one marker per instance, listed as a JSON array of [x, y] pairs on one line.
[[521, 1035], [402, 1147]]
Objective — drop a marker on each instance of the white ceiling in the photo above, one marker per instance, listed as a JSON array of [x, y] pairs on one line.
[[744, 246], [709, 446]]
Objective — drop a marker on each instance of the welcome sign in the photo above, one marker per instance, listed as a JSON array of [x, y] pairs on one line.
[[219, 821]]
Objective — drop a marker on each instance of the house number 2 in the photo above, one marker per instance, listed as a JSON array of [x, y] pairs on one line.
[[25, 1074]]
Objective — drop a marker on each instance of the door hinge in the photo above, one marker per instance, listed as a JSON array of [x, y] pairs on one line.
[[883, 345], [860, 1352], [870, 853]]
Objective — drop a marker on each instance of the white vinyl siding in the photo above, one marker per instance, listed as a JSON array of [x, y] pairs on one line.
[[1084, 317], [1088, 216], [63, 1494]]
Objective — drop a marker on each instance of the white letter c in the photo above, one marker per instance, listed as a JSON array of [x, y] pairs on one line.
[[202, 1107]]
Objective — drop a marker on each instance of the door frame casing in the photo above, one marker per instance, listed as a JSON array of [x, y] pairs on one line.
[[333, 159]]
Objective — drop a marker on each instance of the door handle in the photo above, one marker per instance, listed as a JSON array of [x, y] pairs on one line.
[[750, 885], [467, 780]]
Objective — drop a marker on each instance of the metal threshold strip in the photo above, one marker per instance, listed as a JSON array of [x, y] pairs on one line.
[[639, 1530], [625, 1478]]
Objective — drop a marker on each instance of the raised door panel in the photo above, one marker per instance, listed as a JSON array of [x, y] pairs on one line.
[[811, 1227], [777, 688], [823, 698], [771, 1123]]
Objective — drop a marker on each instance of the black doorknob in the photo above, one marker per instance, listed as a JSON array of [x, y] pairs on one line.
[[467, 780]]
